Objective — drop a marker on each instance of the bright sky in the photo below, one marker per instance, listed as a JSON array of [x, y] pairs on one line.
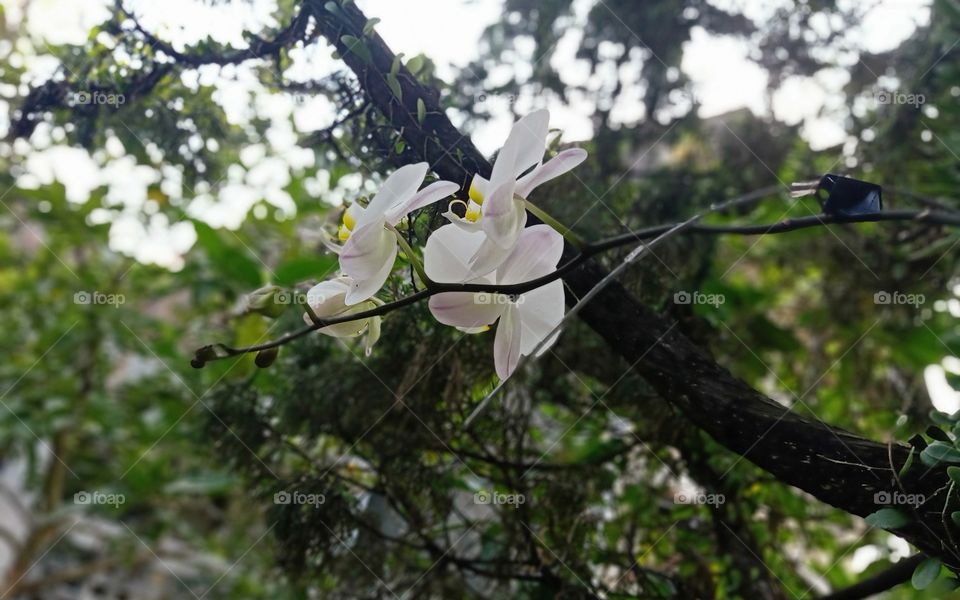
[[449, 31]]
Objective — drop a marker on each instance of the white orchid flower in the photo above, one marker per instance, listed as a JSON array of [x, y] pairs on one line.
[[370, 245], [328, 300], [497, 206], [526, 319]]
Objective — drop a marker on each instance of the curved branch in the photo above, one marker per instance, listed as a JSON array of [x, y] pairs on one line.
[[259, 48], [218, 351], [881, 582]]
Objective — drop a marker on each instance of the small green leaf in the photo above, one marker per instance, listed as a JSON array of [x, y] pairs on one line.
[[955, 515], [941, 418], [415, 64], [954, 474], [421, 111], [938, 452], [370, 25], [334, 9], [394, 84], [396, 64], [356, 46], [400, 146], [888, 518], [907, 464], [925, 573]]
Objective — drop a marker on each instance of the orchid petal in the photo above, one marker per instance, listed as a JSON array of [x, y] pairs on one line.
[[555, 167], [446, 257], [478, 188], [503, 216], [488, 257], [506, 346], [399, 187], [536, 254], [327, 296], [367, 249], [465, 309], [328, 242], [541, 311], [327, 300], [363, 289], [527, 141], [428, 195]]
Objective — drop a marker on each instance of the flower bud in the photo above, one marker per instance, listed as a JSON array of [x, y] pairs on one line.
[[266, 357], [268, 301]]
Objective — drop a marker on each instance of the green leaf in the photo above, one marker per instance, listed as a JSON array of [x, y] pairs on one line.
[[955, 516], [421, 111], [415, 64], [888, 518], [394, 84], [356, 46], [396, 64], [938, 452], [940, 418], [234, 262], [907, 464], [370, 25], [296, 270], [925, 573], [954, 474]]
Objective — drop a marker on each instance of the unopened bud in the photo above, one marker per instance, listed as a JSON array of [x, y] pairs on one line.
[[267, 301], [266, 357], [202, 356]]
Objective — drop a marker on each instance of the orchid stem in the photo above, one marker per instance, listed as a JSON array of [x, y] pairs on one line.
[[411, 256], [313, 315], [566, 232]]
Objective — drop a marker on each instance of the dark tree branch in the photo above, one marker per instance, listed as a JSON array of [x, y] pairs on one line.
[[587, 251], [881, 582]]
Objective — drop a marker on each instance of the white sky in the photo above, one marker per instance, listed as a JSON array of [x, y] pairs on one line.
[[449, 32]]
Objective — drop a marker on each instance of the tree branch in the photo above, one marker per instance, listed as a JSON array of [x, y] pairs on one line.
[[881, 582], [222, 351]]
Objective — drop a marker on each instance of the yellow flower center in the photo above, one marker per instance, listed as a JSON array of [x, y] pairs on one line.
[[346, 227], [475, 194], [473, 214]]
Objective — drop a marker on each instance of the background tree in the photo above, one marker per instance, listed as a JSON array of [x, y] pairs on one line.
[[598, 436]]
